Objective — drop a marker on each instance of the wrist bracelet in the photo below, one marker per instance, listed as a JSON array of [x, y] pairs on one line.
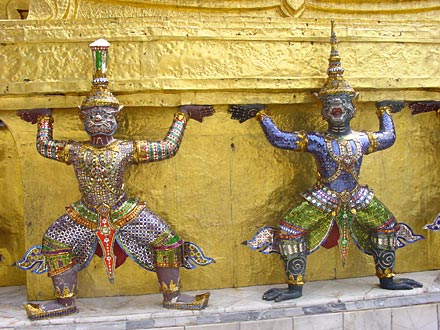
[[260, 114], [383, 109], [179, 115]]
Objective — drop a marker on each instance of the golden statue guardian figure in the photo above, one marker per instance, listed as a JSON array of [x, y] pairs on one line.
[[105, 220], [338, 207]]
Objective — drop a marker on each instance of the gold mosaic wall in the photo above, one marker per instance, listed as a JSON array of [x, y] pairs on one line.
[[227, 180]]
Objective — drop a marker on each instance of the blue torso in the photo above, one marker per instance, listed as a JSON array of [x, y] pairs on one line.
[[338, 159]]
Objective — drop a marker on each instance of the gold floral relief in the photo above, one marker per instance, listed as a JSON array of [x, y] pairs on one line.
[[71, 9]]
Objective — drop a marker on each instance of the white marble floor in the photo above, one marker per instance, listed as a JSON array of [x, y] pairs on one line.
[[242, 308]]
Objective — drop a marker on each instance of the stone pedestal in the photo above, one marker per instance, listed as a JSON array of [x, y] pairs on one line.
[[347, 304]]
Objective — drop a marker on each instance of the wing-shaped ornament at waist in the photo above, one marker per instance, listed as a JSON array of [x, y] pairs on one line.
[[126, 212], [328, 200]]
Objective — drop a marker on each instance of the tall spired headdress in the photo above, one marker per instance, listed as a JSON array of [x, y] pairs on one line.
[[335, 82], [100, 94]]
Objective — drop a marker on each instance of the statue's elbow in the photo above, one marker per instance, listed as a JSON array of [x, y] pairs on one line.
[[40, 148], [391, 139], [275, 140], [172, 152]]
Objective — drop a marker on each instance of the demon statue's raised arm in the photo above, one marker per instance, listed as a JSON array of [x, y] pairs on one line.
[[337, 208], [107, 221]]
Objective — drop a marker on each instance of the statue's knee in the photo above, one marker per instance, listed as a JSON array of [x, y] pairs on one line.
[[168, 251], [294, 254], [292, 247], [59, 257], [383, 241]]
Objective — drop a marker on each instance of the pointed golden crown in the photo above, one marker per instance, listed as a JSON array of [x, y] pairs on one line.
[[335, 82], [100, 94]]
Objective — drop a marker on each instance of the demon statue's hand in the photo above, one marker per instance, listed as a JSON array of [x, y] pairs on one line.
[[197, 112], [399, 284], [31, 116], [424, 106], [395, 106], [243, 112]]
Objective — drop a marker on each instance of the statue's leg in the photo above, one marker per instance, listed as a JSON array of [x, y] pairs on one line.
[[168, 261], [384, 255], [294, 255], [169, 281], [375, 232], [67, 247], [155, 246], [63, 273]]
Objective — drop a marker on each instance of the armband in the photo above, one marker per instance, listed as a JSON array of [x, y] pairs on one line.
[[303, 141], [373, 142]]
